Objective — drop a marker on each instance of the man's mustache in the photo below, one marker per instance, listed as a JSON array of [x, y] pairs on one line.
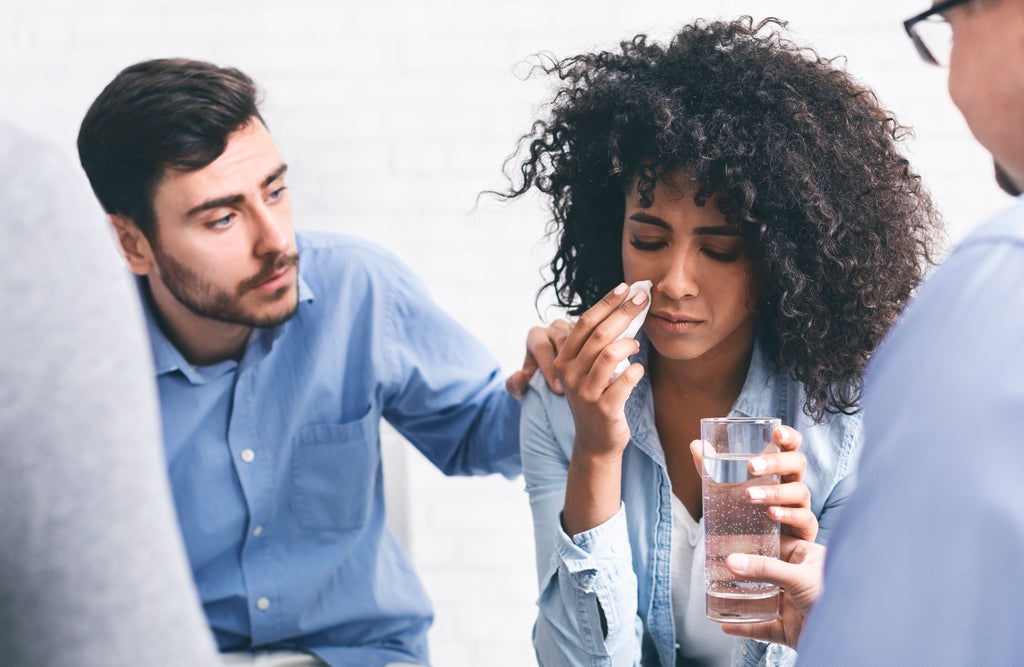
[[270, 267]]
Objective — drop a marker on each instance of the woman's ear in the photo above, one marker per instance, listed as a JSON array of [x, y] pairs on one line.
[[135, 247]]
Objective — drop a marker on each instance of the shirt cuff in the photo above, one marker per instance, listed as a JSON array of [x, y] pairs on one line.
[[602, 549]]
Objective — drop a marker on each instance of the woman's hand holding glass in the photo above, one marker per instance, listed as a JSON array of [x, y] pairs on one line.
[[585, 365], [790, 500], [799, 570]]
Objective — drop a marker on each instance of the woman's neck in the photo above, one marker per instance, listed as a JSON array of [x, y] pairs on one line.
[[715, 378]]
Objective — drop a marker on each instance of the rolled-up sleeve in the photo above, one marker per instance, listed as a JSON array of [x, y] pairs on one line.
[[588, 589]]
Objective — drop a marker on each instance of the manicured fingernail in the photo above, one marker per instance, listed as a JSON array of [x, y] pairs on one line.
[[621, 289], [782, 436], [758, 464], [738, 563], [640, 298], [756, 493], [777, 512]]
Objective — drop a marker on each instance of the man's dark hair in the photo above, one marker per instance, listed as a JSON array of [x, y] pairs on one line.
[[155, 115], [802, 160]]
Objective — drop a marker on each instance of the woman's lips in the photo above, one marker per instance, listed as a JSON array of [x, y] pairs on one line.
[[674, 323]]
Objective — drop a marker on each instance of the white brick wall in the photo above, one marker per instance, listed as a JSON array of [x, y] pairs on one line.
[[394, 115]]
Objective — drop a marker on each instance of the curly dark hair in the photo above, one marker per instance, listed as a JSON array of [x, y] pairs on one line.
[[801, 156]]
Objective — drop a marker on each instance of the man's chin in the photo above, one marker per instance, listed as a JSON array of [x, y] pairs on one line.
[[273, 320], [1010, 185], [270, 318]]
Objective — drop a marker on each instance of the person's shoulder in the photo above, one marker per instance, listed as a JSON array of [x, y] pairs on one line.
[[995, 248], [956, 347], [979, 285], [35, 178], [1006, 226], [330, 259], [549, 413], [321, 246]]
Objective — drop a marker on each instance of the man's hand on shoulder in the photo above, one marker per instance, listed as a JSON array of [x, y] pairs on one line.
[[542, 346]]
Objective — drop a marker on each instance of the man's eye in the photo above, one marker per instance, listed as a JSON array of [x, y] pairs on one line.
[[221, 223], [276, 194]]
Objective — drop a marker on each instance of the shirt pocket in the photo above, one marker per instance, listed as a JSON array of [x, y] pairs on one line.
[[335, 472]]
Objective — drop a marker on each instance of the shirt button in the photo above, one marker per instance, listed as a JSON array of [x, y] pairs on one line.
[[248, 455], [263, 604], [257, 531]]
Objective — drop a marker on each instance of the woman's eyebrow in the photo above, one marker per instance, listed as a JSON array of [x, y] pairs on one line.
[[649, 219]]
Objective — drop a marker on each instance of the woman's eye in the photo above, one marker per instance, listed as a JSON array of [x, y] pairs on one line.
[[721, 255], [640, 244]]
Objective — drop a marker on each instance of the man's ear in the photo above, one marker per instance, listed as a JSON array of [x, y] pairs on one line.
[[134, 244]]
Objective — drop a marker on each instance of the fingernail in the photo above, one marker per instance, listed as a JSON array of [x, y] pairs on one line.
[[758, 464], [621, 289], [756, 493], [777, 512], [640, 298], [782, 436], [738, 563], [558, 386]]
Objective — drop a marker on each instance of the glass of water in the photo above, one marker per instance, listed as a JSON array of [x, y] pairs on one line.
[[731, 523]]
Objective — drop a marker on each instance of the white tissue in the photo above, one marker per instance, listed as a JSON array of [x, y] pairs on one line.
[[635, 324]]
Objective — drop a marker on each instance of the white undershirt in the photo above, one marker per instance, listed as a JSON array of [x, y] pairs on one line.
[[699, 638]]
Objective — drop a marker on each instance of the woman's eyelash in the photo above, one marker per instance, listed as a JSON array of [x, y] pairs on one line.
[[645, 245], [722, 256]]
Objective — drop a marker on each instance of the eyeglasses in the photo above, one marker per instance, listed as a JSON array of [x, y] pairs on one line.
[[931, 33]]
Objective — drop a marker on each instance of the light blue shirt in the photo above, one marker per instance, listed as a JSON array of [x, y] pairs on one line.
[[275, 460], [623, 564], [927, 565]]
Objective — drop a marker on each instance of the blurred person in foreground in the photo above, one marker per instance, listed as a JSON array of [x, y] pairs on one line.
[[763, 192], [924, 566], [277, 355], [92, 567]]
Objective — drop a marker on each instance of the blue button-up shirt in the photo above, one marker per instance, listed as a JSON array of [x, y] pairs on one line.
[[275, 460], [925, 567], [623, 564]]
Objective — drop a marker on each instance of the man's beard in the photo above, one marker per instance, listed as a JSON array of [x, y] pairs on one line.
[[1005, 182], [211, 302]]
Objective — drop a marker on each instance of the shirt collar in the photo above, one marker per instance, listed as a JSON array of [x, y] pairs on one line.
[[760, 394], [167, 358]]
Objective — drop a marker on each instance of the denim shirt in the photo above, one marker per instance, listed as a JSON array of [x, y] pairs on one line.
[[623, 564], [275, 460]]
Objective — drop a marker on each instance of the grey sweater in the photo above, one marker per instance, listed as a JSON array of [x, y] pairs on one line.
[[92, 566]]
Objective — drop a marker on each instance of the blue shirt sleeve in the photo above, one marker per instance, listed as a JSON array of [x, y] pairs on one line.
[[444, 391]]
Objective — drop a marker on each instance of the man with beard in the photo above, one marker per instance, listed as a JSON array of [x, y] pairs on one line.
[[924, 567], [277, 354]]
